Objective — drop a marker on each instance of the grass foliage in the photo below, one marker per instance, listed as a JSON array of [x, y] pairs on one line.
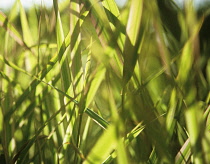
[[87, 82]]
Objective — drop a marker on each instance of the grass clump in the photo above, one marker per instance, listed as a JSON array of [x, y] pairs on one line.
[[87, 82]]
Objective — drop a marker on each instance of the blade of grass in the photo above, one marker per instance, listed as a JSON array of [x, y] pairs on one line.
[[99, 120], [63, 58], [27, 37], [194, 125], [170, 121], [103, 147], [132, 42], [126, 141], [4, 22], [184, 153], [98, 78]]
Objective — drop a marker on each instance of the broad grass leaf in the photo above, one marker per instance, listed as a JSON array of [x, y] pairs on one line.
[[95, 84], [170, 118], [63, 57], [104, 146], [125, 142], [27, 36], [133, 39], [184, 153], [196, 129], [186, 63]]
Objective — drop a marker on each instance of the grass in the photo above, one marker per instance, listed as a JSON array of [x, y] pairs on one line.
[[88, 82]]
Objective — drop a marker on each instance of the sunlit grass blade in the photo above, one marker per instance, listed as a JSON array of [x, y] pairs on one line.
[[104, 146], [133, 39], [184, 154], [99, 120], [114, 17], [63, 58], [27, 37], [125, 141], [98, 78], [196, 129], [12, 31], [170, 121]]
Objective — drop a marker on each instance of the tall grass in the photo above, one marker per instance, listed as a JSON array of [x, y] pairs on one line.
[[87, 82]]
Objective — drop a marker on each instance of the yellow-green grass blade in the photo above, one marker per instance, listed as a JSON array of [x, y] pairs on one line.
[[184, 153], [125, 141], [63, 58], [121, 152], [113, 15], [118, 28], [4, 22], [186, 63], [59, 28], [13, 12], [112, 7], [102, 28], [27, 37], [170, 118], [196, 129], [112, 12], [33, 24], [120, 130], [104, 146], [95, 84], [99, 13], [76, 58], [102, 24], [133, 39]]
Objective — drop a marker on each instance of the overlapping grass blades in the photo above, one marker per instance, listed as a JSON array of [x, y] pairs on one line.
[[88, 82]]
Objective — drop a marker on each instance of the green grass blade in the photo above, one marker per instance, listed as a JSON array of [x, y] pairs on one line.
[[27, 37], [184, 153], [95, 84], [63, 58], [133, 39], [12, 31], [98, 119], [104, 146], [193, 117]]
